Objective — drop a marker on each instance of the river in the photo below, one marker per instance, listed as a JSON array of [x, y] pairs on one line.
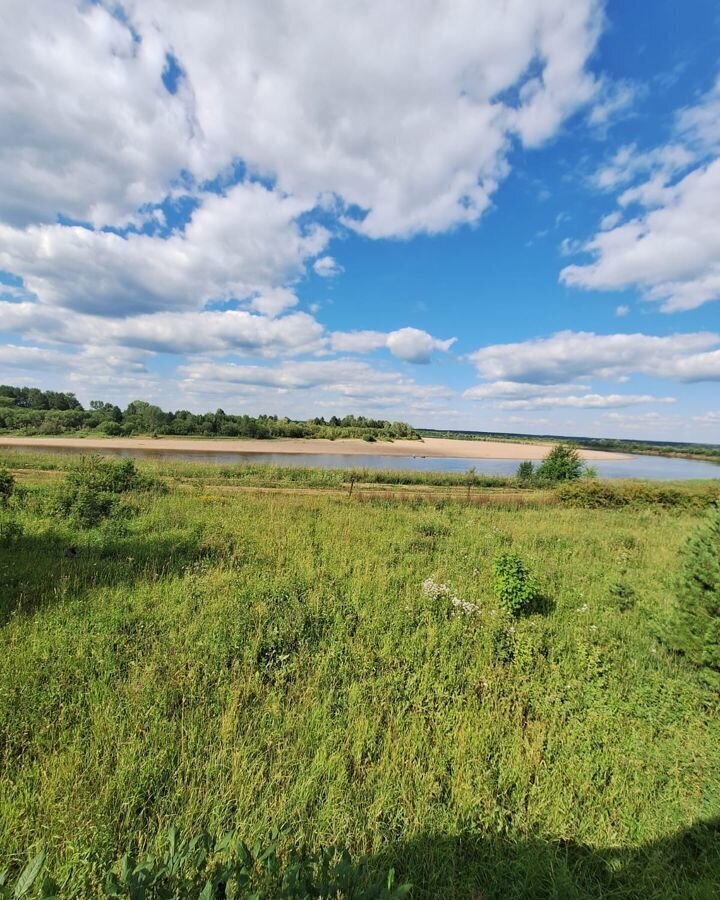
[[655, 468]]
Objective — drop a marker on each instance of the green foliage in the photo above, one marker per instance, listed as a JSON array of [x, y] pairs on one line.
[[7, 486], [238, 658], [207, 868], [525, 471], [10, 529], [562, 463], [91, 491], [513, 584], [636, 494], [695, 627], [23, 885], [32, 411]]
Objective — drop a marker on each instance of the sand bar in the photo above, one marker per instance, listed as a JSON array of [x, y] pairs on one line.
[[436, 448]]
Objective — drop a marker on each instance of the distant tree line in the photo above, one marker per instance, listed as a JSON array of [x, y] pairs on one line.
[[618, 445], [30, 411]]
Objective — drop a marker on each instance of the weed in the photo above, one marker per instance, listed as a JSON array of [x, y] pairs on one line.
[[514, 586]]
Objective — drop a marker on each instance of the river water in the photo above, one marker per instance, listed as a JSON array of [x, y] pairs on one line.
[[656, 468]]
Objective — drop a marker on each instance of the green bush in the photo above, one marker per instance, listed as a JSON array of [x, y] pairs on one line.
[[513, 584], [10, 529], [695, 625], [615, 495], [562, 463], [91, 492], [7, 486], [209, 868], [525, 471]]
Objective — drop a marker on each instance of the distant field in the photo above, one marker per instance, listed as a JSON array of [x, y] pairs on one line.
[[240, 654]]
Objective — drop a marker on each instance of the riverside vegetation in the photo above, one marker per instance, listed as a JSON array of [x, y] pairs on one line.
[[30, 411], [216, 682]]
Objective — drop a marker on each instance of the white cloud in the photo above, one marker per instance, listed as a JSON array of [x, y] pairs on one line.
[[527, 395], [273, 302], [628, 162], [622, 310], [570, 355], [699, 125], [414, 345], [584, 401], [337, 383], [327, 267], [340, 112], [615, 99], [670, 250], [234, 246], [672, 253], [409, 344]]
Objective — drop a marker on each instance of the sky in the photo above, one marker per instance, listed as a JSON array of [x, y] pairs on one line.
[[497, 215]]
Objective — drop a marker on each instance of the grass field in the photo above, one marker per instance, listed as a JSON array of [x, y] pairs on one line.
[[236, 660]]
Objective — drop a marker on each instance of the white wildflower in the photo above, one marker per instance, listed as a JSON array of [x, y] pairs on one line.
[[464, 606], [434, 589], [583, 608]]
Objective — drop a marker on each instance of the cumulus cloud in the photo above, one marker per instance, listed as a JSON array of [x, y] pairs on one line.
[[242, 243], [337, 380], [340, 112], [670, 249], [527, 395], [671, 253], [327, 267], [569, 355], [409, 344], [414, 345]]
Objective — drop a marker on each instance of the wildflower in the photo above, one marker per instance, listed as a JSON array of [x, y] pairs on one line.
[[464, 606], [434, 589], [583, 608]]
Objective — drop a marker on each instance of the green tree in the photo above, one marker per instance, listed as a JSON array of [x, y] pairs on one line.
[[562, 463]]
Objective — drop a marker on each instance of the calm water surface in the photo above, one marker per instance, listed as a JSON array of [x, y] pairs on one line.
[[657, 468]]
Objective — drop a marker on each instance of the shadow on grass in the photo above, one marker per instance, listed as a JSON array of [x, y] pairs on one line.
[[685, 866], [37, 569], [541, 605]]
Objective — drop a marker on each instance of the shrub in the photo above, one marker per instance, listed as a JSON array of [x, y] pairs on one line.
[[615, 495], [111, 428], [562, 463], [7, 486], [10, 529], [91, 492], [526, 471], [513, 584], [695, 625]]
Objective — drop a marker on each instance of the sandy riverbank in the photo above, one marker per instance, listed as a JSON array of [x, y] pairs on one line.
[[437, 448]]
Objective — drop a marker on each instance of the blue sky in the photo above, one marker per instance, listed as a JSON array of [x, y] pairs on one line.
[[497, 216]]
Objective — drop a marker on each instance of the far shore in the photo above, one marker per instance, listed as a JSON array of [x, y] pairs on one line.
[[436, 448]]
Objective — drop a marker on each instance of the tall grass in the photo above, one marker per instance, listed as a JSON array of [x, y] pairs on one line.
[[232, 662]]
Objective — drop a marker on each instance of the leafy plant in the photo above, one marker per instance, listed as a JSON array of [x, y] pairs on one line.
[[91, 491], [562, 463], [10, 529], [695, 626], [7, 486], [513, 584], [26, 881], [525, 471], [211, 868]]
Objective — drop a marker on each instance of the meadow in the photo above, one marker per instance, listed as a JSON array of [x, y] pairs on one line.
[[224, 651]]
